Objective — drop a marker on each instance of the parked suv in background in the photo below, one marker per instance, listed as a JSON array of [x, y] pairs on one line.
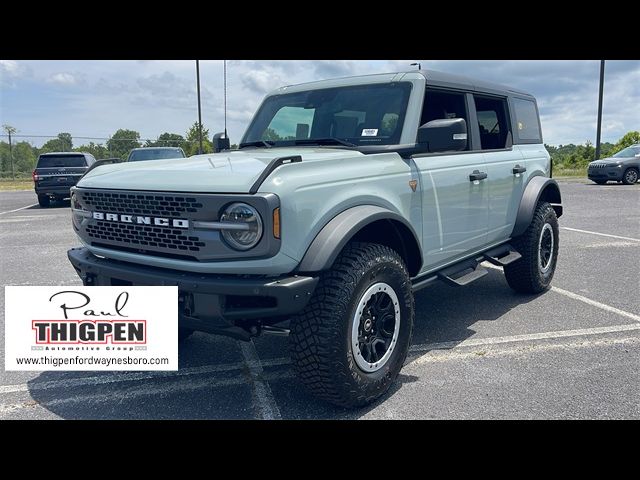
[[344, 198], [623, 167], [57, 172], [154, 153]]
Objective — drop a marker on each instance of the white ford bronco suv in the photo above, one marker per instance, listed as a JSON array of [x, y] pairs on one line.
[[344, 198]]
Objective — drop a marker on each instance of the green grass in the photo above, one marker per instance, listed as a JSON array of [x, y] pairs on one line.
[[570, 172], [17, 184]]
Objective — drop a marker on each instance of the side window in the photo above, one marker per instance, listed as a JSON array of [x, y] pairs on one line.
[[492, 122], [290, 123], [440, 104], [527, 120]]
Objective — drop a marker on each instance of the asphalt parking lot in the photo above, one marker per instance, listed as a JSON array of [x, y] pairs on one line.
[[478, 352]]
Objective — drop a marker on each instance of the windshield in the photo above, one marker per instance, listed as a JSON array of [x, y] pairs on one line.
[[628, 152], [53, 161], [358, 115], [155, 154]]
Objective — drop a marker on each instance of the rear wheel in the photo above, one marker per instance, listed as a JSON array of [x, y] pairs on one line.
[[44, 201], [538, 246], [630, 176], [350, 342]]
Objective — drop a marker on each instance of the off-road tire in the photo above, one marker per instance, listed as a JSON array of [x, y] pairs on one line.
[[44, 201], [525, 275], [630, 176], [320, 338]]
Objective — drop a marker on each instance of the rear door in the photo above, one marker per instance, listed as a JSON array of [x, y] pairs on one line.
[[60, 170], [455, 205], [506, 167]]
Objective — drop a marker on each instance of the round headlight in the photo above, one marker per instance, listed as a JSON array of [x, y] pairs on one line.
[[245, 226]]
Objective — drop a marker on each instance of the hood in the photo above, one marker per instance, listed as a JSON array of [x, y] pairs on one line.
[[226, 172], [608, 161]]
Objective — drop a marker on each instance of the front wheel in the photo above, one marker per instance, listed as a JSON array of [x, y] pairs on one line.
[[630, 176], [350, 342], [538, 246]]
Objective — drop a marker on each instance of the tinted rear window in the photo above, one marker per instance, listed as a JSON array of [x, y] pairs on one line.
[[52, 161]]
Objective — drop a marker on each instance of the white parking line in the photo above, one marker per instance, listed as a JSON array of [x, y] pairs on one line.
[[187, 385], [264, 400], [18, 209], [486, 351], [599, 305], [476, 342], [601, 234], [580, 298]]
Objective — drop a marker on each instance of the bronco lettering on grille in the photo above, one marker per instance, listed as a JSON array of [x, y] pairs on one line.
[[141, 220]]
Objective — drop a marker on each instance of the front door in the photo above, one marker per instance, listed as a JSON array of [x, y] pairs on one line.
[[455, 205], [455, 194]]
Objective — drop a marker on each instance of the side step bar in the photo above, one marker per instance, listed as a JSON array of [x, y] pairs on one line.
[[502, 255], [469, 270], [462, 274]]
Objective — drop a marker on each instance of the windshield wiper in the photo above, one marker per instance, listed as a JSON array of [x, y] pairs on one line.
[[258, 143], [324, 141]]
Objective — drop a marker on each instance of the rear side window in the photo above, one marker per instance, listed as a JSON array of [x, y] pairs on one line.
[[527, 121], [492, 122], [53, 161]]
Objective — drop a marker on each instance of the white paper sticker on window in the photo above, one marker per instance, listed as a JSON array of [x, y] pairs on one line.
[[370, 132]]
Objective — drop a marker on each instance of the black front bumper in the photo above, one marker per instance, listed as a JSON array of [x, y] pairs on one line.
[[614, 174], [223, 304]]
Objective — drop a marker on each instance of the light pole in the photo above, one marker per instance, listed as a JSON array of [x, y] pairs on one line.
[[600, 110], [199, 109]]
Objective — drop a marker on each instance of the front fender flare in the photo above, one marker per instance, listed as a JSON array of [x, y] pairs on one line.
[[333, 237], [538, 188]]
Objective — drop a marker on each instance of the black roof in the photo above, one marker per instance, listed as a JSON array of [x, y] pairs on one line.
[[441, 79]]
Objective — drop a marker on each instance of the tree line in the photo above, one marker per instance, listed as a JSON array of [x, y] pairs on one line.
[[578, 156], [25, 155]]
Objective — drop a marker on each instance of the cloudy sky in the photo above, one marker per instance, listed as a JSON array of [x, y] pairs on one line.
[[95, 98]]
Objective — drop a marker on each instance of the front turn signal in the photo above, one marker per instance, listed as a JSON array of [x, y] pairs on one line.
[[276, 223]]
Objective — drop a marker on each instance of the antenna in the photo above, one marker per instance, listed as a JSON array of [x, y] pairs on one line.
[[417, 65], [224, 67]]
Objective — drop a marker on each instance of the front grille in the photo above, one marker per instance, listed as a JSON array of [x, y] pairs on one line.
[[597, 165], [190, 243], [144, 236], [141, 204]]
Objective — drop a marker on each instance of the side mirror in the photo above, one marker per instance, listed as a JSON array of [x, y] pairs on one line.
[[443, 135], [221, 142]]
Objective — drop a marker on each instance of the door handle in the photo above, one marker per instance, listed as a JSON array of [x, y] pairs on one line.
[[477, 175], [518, 169]]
